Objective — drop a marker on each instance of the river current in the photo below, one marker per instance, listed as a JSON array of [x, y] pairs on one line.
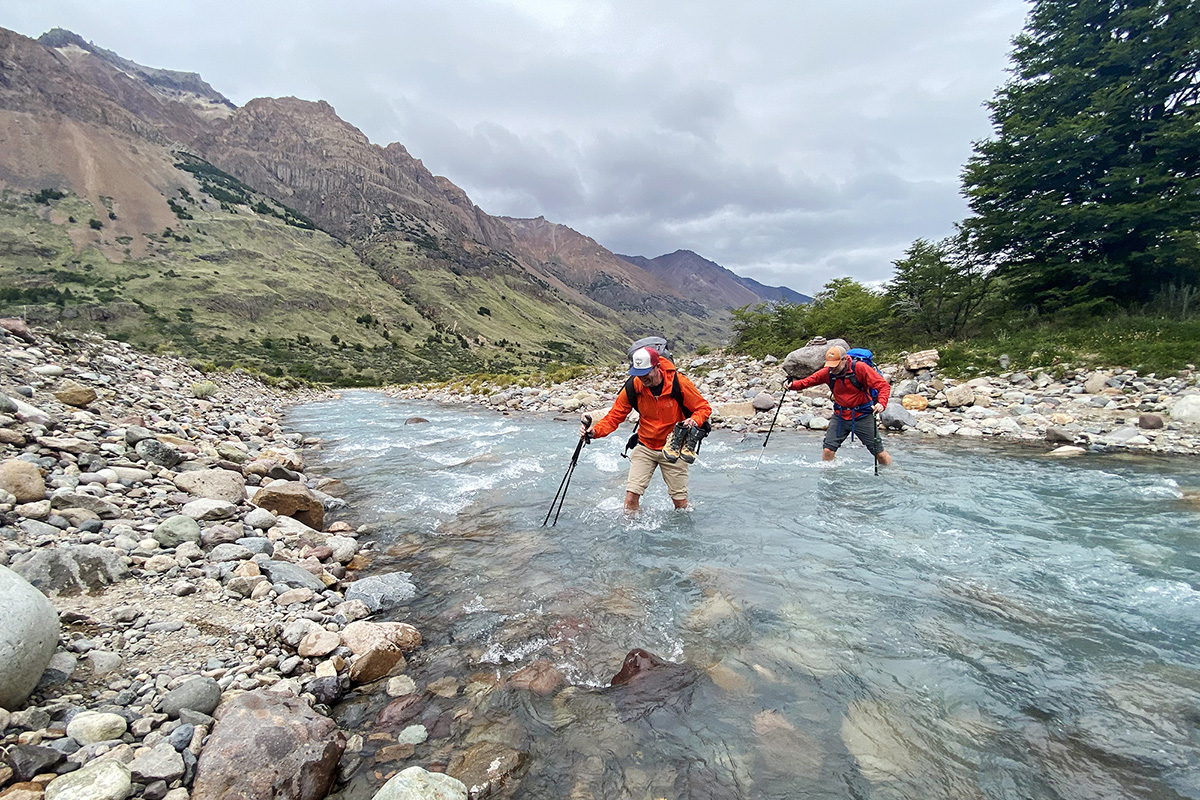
[[978, 621]]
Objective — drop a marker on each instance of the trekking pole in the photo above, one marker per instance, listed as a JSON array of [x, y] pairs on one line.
[[768, 438], [561, 494], [875, 419]]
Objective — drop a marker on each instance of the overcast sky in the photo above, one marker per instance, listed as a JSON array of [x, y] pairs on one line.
[[793, 142]]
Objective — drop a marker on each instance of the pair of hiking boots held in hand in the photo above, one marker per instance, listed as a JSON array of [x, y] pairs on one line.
[[682, 443]]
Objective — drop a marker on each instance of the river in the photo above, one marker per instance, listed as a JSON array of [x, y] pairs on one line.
[[978, 621]]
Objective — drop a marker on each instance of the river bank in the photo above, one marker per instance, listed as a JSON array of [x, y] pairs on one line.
[[175, 599], [1068, 412]]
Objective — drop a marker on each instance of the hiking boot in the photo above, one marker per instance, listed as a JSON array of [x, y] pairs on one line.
[[691, 445], [675, 443]]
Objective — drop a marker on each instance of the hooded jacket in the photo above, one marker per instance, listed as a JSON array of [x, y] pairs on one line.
[[659, 412]]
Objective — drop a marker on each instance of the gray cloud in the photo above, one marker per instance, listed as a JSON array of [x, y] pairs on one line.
[[793, 143]]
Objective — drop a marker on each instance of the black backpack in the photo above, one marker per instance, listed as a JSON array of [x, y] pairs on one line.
[[676, 395]]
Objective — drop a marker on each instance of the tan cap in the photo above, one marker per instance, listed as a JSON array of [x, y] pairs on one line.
[[834, 356]]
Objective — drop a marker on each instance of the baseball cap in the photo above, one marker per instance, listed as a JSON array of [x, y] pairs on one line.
[[834, 356], [643, 361]]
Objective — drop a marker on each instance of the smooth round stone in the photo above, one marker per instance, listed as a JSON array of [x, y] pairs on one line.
[[28, 637], [91, 727], [107, 779], [198, 694], [416, 783]]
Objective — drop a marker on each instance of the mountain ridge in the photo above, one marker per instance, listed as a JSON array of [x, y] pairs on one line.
[[157, 150]]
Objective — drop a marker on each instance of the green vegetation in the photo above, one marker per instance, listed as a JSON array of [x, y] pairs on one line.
[[1088, 197]]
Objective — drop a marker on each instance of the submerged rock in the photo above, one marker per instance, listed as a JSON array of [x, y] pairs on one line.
[[648, 682]]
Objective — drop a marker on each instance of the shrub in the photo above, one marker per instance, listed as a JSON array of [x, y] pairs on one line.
[[95, 224], [204, 389]]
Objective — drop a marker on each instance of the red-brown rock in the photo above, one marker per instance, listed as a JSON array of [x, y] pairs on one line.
[[268, 745]]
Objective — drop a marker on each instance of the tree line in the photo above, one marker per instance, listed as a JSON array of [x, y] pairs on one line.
[[1084, 204]]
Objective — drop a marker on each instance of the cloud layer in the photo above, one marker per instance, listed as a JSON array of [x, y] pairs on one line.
[[793, 143]]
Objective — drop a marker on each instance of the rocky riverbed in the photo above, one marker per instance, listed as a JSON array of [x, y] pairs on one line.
[[178, 612], [1069, 411], [182, 607]]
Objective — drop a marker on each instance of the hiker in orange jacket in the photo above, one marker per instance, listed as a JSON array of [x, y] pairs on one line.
[[854, 409], [657, 384]]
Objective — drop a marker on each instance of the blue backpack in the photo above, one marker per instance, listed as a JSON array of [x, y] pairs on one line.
[[856, 355]]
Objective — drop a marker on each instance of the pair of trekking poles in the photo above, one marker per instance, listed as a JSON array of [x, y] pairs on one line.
[[780, 406], [561, 495]]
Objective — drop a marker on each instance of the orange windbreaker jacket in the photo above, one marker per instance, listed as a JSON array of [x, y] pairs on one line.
[[660, 412]]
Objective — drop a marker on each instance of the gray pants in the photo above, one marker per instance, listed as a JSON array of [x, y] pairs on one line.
[[865, 430]]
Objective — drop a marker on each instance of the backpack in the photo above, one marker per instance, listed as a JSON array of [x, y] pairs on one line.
[[856, 355], [676, 395]]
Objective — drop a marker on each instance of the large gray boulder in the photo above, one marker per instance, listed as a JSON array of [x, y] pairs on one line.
[[897, 417], [381, 592], [804, 361], [71, 570], [28, 638], [1187, 409]]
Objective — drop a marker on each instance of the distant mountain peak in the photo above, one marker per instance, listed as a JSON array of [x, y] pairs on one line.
[[176, 85], [707, 281]]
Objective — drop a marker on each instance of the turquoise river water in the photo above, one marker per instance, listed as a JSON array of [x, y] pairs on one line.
[[979, 621]]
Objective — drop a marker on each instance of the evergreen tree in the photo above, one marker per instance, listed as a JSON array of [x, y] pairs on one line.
[[1090, 190]]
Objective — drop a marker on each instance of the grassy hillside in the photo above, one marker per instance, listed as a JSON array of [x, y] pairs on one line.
[[229, 287]]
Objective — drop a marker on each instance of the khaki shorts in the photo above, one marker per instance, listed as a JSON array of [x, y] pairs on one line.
[[643, 460]]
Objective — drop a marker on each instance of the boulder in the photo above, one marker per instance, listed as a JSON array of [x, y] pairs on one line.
[[28, 638], [415, 783], [174, 531], [363, 636], [292, 499], [1150, 422], [763, 402], [897, 417], [74, 394], [208, 510], [293, 575], [804, 361], [381, 592], [922, 359], [90, 727], [98, 506], [22, 480], [485, 767], [1095, 383], [268, 745], [102, 779], [958, 396], [375, 664], [914, 402], [198, 694], [72, 569], [1187, 409], [213, 484], [160, 763], [728, 410], [156, 452]]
